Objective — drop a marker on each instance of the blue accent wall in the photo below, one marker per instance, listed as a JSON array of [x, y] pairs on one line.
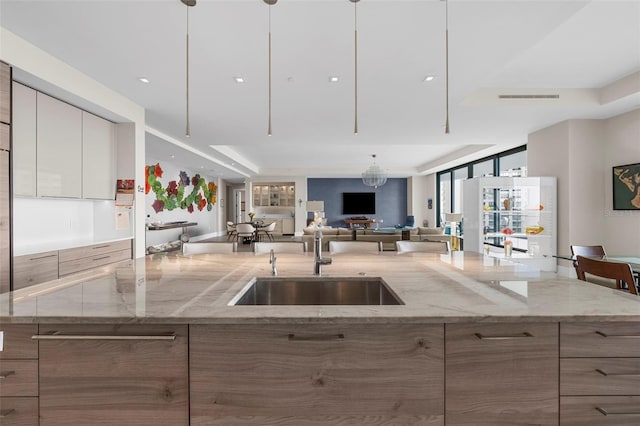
[[391, 199]]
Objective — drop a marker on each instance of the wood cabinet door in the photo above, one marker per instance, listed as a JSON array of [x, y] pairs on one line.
[[5, 223], [98, 158], [316, 374], [5, 93], [501, 374], [34, 269], [94, 378], [24, 140], [59, 151]]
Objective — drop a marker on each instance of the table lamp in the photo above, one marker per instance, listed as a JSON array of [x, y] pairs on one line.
[[317, 207], [452, 219]]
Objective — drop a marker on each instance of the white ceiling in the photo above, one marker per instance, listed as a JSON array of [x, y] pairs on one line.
[[504, 46]]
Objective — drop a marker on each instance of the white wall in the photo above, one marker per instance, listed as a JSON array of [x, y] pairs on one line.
[[581, 153], [208, 224]]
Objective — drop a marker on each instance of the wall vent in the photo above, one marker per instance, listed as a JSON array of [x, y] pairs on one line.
[[528, 96]]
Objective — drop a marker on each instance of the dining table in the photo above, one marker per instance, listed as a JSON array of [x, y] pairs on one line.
[[633, 261]]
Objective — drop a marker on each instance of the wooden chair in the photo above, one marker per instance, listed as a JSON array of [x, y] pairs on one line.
[[620, 272], [280, 247], [587, 251], [422, 246], [355, 246], [198, 248]]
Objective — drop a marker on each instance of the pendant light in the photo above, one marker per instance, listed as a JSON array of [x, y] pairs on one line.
[[188, 3], [374, 176], [355, 68], [270, 3], [446, 50]]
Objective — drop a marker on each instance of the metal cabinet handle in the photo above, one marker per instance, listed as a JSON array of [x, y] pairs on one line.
[[56, 336], [622, 413], [632, 336], [6, 413], [99, 247], [5, 374], [325, 337], [100, 258], [43, 257], [509, 337], [604, 373]]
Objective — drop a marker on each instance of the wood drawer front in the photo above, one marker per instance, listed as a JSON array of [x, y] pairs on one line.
[[34, 269], [258, 375], [5, 93], [582, 410], [19, 378], [5, 138], [504, 377], [21, 411], [114, 382], [18, 343], [600, 376], [72, 266], [588, 339], [93, 250]]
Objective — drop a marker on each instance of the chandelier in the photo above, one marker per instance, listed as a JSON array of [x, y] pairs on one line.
[[374, 176]]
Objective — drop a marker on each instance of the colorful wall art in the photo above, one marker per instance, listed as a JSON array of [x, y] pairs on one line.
[[183, 193]]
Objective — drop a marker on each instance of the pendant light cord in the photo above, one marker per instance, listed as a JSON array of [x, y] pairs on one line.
[[355, 26], [269, 128], [188, 125], [446, 40]]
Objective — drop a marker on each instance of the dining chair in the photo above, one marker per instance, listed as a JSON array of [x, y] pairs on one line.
[[267, 231], [355, 246], [280, 247], [618, 271], [231, 230], [199, 248], [245, 230], [422, 247], [587, 251]]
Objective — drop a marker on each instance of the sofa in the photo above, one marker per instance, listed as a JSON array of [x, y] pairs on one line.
[[388, 240], [328, 234], [429, 234]]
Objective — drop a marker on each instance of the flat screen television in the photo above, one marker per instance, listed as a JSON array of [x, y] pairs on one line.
[[358, 203]]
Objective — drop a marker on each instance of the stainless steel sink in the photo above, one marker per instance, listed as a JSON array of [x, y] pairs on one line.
[[316, 291]]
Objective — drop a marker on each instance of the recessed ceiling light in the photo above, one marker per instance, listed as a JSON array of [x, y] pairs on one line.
[[238, 79], [144, 80], [334, 79], [173, 156], [429, 78]]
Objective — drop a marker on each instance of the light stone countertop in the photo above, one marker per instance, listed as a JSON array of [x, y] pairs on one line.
[[176, 289]]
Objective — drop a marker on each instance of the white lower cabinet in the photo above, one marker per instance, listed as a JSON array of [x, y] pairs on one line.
[[59, 148]]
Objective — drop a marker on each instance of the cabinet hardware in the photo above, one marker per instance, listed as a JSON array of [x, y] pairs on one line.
[[43, 257], [509, 337], [6, 413], [632, 336], [604, 373], [325, 337], [100, 258], [5, 374], [56, 336], [99, 247], [622, 413]]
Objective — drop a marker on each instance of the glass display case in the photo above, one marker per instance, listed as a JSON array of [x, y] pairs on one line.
[[512, 217]]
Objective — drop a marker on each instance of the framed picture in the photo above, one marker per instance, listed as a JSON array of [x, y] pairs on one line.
[[626, 187]]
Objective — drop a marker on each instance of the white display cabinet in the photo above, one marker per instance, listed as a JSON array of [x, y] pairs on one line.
[[519, 211]]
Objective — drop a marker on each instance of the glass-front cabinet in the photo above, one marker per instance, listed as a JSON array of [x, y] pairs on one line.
[[274, 195], [512, 217]]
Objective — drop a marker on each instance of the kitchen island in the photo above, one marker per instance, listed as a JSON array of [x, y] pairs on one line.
[[478, 340]]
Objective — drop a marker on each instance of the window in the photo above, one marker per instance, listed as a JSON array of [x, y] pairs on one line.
[[449, 182]]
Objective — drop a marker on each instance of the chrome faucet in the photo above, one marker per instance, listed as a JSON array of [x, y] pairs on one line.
[[318, 260], [272, 262]]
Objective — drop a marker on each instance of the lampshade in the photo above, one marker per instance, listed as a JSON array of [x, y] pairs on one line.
[[452, 217], [374, 176], [315, 206]]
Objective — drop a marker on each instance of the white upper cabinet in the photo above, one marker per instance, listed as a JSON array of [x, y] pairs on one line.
[[59, 148], [98, 157], [24, 140]]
